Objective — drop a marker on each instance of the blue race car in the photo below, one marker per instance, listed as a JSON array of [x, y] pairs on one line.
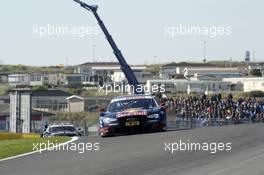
[[132, 114]]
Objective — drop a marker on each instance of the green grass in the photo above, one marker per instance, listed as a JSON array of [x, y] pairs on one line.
[[20, 69], [4, 89], [9, 148]]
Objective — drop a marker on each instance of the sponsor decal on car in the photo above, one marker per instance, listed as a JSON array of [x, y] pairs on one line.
[[136, 97], [131, 113]]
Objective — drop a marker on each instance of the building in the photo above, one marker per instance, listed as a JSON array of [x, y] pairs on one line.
[[92, 68], [3, 78], [88, 104], [75, 103], [173, 70], [46, 79], [256, 66], [38, 80], [49, 100], [29, 110], [4, 112], [20, 110], [248, 83], [208, 87], [37, 119], [4, 117], [74, 80], [4, 99], [99, 73], [54, 80], [215, 73], [19, 80], [171, 86], [189, 87], [140, 72]]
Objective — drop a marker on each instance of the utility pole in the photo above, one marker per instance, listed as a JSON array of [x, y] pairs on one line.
[[66, 62], [155, 59], [94, 52], [253, 55], [204, 51]]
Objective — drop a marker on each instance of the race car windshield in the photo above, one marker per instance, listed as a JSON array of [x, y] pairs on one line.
[[122, 105], [62, 128]]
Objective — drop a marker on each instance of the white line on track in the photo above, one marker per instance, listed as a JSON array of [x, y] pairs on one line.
[[73, 139]]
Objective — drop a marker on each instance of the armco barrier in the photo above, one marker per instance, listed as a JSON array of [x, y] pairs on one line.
[[9, 136]]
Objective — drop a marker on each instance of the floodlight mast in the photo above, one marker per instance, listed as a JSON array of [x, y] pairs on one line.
[[129, 74]]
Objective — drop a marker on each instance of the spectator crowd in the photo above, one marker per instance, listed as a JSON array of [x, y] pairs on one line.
[[216, 108]]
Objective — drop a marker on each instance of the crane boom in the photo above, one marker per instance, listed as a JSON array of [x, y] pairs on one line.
[[129, 74]]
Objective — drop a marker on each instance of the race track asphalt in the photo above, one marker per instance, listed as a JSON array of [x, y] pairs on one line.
[[145, 154]]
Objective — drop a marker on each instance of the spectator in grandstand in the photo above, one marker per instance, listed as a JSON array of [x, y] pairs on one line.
[[217, 109]]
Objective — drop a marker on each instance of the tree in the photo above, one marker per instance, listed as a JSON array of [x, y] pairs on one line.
[[40, 88], [256, 72], [255, 94]]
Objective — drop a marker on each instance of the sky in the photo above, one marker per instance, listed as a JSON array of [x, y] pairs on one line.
[[149, 31]]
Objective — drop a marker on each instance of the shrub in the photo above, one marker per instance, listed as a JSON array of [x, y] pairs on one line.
[[255, 94]]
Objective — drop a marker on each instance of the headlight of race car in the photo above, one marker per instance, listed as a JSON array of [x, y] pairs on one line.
[[153, 116], [110, 120]]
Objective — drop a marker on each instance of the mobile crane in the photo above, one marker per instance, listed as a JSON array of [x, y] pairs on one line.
[[129, 74]]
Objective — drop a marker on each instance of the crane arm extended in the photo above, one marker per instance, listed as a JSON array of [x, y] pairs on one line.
[[129, 74]]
